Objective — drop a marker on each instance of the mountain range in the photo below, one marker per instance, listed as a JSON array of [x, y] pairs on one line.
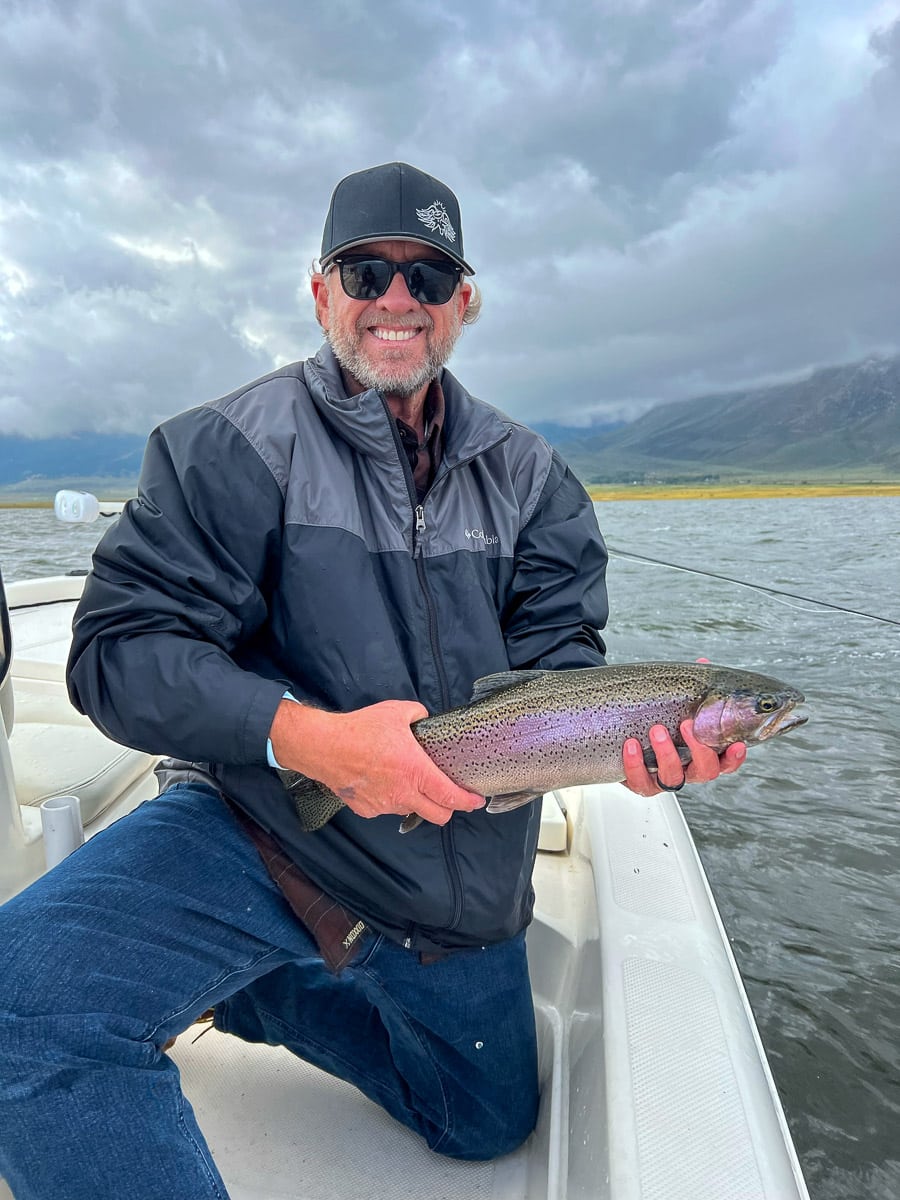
[[836, 422], [38, 467]]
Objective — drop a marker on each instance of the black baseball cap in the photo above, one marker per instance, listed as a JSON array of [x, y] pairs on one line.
[[394, 200]]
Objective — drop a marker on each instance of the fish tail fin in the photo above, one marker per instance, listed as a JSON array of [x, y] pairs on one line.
[[314, 803]]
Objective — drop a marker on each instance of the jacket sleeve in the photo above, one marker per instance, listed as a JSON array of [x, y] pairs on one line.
[[558, 598], [176, 586]]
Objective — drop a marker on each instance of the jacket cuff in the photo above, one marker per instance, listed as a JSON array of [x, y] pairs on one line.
[[270, 753], [258, 718]]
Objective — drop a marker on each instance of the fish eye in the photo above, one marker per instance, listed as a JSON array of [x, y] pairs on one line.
[[766, 704]]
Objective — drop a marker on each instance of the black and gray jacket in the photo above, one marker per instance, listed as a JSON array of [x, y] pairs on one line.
[[277, 542]]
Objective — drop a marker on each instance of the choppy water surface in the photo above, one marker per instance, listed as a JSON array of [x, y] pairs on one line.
[[801, 846]]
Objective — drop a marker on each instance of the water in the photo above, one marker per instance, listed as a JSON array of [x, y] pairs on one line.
[[34, 543], [801, 845]]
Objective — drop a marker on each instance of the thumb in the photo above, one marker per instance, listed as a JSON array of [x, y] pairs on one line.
[[441, 789], [412, 710]]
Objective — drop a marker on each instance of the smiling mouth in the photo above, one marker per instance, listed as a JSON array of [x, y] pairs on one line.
[[393, 335]]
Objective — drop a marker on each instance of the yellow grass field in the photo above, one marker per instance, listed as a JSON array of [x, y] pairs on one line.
[[662, 491], [9, 503], [26, 503], [749, 491]]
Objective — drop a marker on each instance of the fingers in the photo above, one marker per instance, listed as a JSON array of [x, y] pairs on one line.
[[439, 813], [732, 758], [436, 814], [396, 775], [705, 764], [669, 770], [440, 795], [637, 777]]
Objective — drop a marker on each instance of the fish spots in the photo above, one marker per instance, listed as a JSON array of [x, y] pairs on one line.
[[530, 732]]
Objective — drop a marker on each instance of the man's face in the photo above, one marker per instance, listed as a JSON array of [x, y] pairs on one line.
[[393, 343]]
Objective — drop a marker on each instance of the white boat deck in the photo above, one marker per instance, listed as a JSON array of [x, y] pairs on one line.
[[316, 1137], [654, 1082]]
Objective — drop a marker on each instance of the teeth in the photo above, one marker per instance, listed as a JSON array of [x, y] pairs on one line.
[[394, 335]]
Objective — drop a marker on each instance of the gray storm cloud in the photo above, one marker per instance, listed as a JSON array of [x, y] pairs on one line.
[[661, 199]]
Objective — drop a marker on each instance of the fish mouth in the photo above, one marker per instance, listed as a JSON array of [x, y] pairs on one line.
[[781, 722]]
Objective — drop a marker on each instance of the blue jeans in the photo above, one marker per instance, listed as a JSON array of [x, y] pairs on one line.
[[169, 912]]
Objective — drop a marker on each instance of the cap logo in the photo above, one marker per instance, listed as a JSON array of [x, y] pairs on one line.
[[435, 217]]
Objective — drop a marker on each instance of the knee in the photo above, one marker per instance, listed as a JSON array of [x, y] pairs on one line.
[[19, 966], [490, 1139], [39, 983], [21, 1003]]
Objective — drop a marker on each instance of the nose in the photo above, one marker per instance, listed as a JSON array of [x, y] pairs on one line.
[[397, 298]]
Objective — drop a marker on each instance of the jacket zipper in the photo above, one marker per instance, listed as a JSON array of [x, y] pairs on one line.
[[418, 529], [447, 839]]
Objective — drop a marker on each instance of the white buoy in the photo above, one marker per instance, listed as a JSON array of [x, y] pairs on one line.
[[62, 828], [76, 508]]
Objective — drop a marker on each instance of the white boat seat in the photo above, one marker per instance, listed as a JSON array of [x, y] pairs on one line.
[[43, 630], [45, 662], [57, 752]]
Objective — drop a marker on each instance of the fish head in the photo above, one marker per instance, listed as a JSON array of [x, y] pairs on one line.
[[753, 710]]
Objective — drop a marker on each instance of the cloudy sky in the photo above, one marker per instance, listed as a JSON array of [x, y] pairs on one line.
[[661, 197]]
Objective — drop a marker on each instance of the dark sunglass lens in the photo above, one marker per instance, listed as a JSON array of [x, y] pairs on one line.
[[365, 279], [431, 283], [369, 278], [418, 282]]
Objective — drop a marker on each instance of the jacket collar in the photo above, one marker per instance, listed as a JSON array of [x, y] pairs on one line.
[[470, 426]]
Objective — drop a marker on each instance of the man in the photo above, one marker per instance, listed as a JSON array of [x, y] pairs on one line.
[[313, 562]]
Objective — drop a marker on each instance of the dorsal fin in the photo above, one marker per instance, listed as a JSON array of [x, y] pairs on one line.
[[489, 685]]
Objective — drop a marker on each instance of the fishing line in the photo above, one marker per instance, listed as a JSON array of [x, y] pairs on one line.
[[755, 587]]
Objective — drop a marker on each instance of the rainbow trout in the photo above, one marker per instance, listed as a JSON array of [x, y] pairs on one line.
[[529, 732]]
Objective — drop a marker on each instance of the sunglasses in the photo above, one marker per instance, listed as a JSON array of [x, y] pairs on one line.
[[430, 281]]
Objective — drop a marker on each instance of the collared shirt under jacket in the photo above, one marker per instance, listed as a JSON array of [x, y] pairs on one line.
[[277, 542]]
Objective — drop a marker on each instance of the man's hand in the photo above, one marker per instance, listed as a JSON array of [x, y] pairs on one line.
[[369, 758], [705, 763]]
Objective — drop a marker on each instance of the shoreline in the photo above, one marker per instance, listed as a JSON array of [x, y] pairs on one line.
[[738, 491], [7, 502], [640, 491]]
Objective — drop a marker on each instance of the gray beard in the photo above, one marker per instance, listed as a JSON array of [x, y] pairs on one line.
[[392, 381]]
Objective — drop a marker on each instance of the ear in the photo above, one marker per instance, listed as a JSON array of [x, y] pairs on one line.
[[319, 288], [465, 295]]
